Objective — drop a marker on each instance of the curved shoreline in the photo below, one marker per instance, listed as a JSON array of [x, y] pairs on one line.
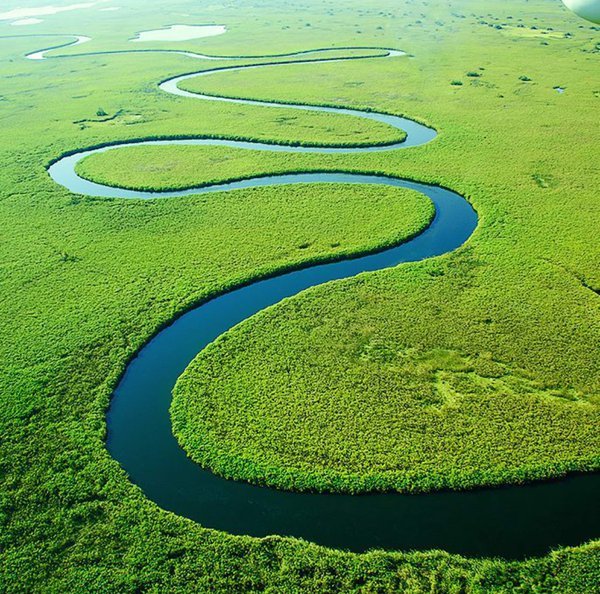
[[139, 428], [79, 39]]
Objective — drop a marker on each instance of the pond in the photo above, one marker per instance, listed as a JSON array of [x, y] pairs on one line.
[[181, 33]]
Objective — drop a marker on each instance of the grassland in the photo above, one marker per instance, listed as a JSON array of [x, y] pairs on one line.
[[176, 168], [505, 329]]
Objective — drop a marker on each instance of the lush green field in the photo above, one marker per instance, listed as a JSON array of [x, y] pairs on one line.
[[492, 349]]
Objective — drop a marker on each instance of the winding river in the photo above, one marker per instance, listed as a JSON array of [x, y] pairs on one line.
[[512, 521]]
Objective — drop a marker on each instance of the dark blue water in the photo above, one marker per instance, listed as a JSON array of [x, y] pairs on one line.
[[513, 522]]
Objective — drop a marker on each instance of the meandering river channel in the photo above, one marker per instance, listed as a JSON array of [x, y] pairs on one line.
[[513, 521]]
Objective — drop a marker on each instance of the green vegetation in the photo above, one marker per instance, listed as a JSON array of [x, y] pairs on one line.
[[156, 168], [493, 348], [299, 446], [345, 415]]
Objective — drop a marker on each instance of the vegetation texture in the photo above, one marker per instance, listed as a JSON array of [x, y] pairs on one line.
[[477, 367]]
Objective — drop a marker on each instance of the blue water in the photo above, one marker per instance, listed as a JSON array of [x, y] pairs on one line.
[[512, 522]]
